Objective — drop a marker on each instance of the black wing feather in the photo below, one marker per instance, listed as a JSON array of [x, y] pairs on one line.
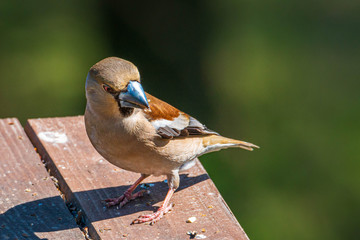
[[194, 128]]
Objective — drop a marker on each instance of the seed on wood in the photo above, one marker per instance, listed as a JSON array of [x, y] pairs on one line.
[[191, 220]]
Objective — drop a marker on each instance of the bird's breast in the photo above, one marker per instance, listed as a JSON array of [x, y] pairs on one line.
[[126, 144], [132, 144]]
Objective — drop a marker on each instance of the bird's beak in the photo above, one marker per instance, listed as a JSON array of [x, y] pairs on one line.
[[134, 96]]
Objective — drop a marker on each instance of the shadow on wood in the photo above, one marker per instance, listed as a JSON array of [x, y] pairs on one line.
[[32, 212], [30, 218]]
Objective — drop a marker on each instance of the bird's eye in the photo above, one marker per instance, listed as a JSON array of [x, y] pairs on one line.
[[108, 89]]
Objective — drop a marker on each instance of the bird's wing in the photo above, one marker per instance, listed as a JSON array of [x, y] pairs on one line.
[[170, 122]]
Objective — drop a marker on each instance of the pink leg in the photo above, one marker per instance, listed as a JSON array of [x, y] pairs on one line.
[[156, 216], [128, 195]]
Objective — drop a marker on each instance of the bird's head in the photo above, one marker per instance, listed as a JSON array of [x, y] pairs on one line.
[[114, 83]]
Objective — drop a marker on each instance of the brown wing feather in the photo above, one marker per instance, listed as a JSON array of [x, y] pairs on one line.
[[160, 109], [171, 122]]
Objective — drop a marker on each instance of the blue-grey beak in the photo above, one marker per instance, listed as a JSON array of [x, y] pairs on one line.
[[134, 97]]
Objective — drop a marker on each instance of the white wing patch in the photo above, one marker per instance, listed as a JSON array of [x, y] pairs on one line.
[[178, 123]]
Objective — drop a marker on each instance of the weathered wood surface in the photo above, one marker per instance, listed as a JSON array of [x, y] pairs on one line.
[[30, 204], [86, 179]]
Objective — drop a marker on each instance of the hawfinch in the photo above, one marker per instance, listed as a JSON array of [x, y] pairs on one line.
[[140, 133]]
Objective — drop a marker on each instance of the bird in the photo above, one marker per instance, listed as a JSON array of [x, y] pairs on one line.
[[138, 132]]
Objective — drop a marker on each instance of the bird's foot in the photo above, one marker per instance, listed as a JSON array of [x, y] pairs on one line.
[[124, 199], [154, 217]]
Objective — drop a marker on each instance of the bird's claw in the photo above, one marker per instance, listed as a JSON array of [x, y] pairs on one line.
[[154, 217], [124, 199]]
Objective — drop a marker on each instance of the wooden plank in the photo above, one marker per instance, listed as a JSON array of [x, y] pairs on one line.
[[30, 204], [86, 179]]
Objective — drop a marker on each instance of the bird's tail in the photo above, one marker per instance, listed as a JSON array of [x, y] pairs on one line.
[[215, 143]]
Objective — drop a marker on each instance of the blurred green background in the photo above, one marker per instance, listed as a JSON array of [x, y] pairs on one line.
[[282, 74]]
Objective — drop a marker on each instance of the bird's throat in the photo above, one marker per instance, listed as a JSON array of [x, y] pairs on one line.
[[125, 111]]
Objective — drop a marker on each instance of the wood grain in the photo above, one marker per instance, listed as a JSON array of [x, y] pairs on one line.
[[86, 179], [30, 204]]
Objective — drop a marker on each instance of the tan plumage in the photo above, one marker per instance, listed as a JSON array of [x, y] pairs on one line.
[[140, 133]]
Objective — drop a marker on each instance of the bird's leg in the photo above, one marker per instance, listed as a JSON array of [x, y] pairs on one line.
[[173, 181], [156, 216], [128, 195]]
